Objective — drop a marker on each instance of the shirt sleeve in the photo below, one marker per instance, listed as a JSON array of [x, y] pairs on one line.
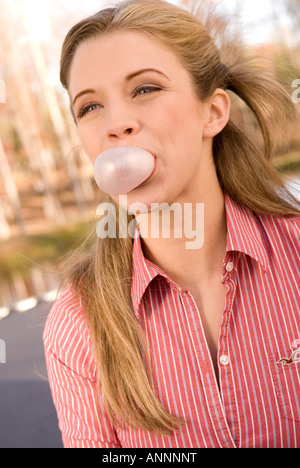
[[73, 378]]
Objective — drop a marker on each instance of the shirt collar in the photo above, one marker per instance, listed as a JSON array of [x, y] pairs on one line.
[[143, 272], [244, 234]]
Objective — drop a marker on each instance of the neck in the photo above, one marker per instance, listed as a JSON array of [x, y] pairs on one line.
[[183, 259]]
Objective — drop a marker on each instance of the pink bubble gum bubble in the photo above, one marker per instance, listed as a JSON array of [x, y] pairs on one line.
[[117, 171]]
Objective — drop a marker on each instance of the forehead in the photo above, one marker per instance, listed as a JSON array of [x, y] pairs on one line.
[[113, 56]]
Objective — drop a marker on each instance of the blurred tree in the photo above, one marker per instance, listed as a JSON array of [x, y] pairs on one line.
[[293, 8], [34, 112], [24, 115], [11, 188], [5, 231], [57, 120]]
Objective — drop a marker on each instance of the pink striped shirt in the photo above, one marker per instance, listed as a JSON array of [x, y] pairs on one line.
[[258, 401]]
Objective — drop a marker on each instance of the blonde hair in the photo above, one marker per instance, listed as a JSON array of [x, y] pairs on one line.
[[102, 279]]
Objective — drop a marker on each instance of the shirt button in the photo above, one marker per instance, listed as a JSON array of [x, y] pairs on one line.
[[224, 360], [229, 267]]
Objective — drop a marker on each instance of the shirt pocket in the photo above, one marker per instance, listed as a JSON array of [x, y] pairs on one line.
[[286, 380]]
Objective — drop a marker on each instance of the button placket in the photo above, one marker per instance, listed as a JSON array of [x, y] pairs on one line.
[[225, 360], [228, 267]]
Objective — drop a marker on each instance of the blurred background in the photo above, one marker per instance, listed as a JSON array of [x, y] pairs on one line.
[[48, 197]]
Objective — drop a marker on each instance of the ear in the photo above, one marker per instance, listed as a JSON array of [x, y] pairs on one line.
[[218, 113]]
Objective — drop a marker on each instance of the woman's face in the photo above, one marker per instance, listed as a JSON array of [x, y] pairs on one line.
[[127, 89]]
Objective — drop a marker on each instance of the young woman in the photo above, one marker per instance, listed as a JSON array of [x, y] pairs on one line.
[[152, 344]]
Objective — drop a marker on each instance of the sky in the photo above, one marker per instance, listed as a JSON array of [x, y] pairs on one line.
[[254, 14]]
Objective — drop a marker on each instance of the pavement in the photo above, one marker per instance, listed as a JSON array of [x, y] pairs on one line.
[[27, 414]]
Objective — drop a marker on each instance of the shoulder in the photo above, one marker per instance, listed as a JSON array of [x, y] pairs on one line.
[[281, 238], [287, 228], [66, 335]]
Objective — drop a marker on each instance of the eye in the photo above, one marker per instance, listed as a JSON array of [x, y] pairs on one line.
[[87, 109], [142, 90]]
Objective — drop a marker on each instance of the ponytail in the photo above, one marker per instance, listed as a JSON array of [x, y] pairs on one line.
[[245, 168]]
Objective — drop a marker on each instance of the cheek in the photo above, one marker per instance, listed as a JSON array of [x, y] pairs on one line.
[[183, 127], [182, 121]]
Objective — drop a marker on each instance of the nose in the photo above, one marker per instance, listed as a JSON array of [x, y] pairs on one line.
[[120, 133], [120, 124]]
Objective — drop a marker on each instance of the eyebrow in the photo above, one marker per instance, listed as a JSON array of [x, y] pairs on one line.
[[82, 93], [145, 70], [128, 78]]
